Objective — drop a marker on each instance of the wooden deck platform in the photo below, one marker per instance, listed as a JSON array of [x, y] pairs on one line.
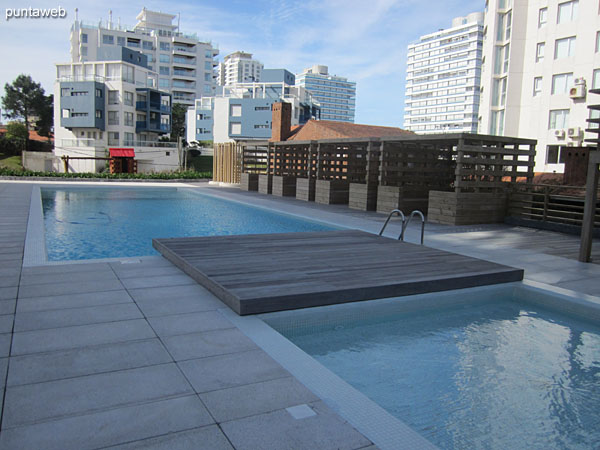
[[272, 272]]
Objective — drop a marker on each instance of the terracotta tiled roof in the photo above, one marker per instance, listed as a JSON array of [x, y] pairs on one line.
[[328, 129], [33, 135]]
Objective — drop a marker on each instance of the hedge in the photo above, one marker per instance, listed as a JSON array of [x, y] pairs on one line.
[[189, 175]]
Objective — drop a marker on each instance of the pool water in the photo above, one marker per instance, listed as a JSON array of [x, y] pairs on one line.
[[499, 374], [90, 223]]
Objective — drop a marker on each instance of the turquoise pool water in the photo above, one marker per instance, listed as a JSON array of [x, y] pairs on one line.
[[499, 374], [91, 223]]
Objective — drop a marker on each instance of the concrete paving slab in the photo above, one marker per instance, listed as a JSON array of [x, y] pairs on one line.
[[7, 306], [6, 323], [168, 292], [39, 320], [587, 286], [209, 343], [157, 281], [105, 274], [124, 271], [65, 268], [111, 427], [279, 430], [73, 287], [8, 271], [8, 293], [556, 276], [189, 323], [76, 300], [9, 280], [58, 365], [39, 341], [179, 305], [226, 371], [38, 402], [238, 402], [5, 340], [206, 438], [3, 370]]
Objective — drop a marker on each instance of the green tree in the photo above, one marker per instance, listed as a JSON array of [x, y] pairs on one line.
[[23, 99], [178, 121], [45, 122], [16, 131]]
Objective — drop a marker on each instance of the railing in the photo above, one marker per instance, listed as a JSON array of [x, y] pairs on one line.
[[549, 203], [184, 73], [143, 125], [405, 223], [189, 61], [156, 144], [177, 48], [81, 143], [185, 85], [141, 105], [97, 78]]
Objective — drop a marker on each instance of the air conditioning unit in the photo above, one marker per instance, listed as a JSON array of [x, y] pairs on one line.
[[574, 133], [577, 91], [560, 134]]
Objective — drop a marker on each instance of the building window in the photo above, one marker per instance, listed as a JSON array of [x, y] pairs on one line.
[[564, 47], [165, 46], [98, 114], [567, 12], [128, 139], [113, 138], [597, 41], [65, 92], [84, 38], [537, 86], [164, 58], [559, 119], [262, 108], [127, 74], [163, 83], [236, 111], [113, 117], [128, 119], [539, 51], [120, 41], [552, 154], [163, 70], [542, 17], [84, 51], [108, 39], [147, 45], [561, 83], [236, 128], [113, 97], [66, 113], [207, 65], [266, 126], [128, 98]]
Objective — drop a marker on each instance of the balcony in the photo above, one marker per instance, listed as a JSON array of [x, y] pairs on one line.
[[184, 73], [142, 126], [184, 61], [184, 50]]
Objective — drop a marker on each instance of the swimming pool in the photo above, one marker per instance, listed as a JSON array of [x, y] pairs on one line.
[[494, 367], [107, 222]]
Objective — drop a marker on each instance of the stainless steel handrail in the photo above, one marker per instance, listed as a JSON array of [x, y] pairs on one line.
[[405, 225], [399, 213]]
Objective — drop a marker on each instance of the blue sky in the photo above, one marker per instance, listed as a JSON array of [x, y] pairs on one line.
[[363, 40]]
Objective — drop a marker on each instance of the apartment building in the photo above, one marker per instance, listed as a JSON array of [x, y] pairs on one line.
[[185, 65], [540, 58], [443, 76], [112, 107], [243, 112], [239, 67], [336, 95]]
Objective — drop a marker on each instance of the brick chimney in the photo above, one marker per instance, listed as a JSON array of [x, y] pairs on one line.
[[281, 121]]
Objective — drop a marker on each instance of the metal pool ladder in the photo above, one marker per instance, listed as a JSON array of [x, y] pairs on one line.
[[405, 222]]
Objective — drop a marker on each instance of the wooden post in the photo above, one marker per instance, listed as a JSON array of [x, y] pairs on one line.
[[65, 159], [591, 197], [546, 199]]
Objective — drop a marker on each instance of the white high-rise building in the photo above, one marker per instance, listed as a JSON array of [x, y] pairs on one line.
[[239, 67], [336, 95], [443, 78], [540, 57], [185, 65]]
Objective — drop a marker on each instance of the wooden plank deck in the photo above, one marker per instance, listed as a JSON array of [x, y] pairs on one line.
[[272, 272]]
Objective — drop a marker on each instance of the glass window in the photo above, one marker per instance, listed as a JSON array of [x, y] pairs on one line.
[[128, 139], [508, 21], [207, 89], [65, 113], [163, 70], [542, 17], [236, 111], [84, 38], [164, 58], [597, 41], [147, 45], [236, 128], [537, 86], [113, 97], [128, 119], [208, 54], [559, 119], [121, 41], [127, 74], [163, 83], [84, 51], [564, 47], [596, 79], [506, 54], [99, 116], [539, 51], [561, 83], [113, 117], [128, 98], [65, 92], [208, 65], [108, 39], [165, 46], [552, 154], [113, 138], [567, 11], [207, 76]]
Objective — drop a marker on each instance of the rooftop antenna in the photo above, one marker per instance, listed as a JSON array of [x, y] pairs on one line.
[[76, 14], [110, 19]]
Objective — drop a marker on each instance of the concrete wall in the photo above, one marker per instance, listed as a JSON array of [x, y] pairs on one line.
[[39, 161]]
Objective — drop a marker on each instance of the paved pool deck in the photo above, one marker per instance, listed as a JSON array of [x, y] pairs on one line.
[[135, 354]]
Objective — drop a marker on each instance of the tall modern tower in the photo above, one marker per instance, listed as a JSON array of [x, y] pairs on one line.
[[239, 67], [541, 57], [443, 78], [336, 95], [185, 65]]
